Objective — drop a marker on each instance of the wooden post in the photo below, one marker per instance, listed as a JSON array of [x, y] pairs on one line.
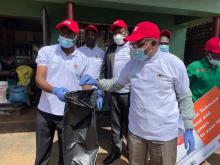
[[216, 24], [46, 26], [70, 10]]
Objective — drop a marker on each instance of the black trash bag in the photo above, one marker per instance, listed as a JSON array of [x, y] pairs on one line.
[[80, 144]]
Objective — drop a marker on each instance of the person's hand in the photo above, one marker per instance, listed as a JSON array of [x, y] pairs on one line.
[[88, 80], [60, 92], [189, 140], [99, 101]]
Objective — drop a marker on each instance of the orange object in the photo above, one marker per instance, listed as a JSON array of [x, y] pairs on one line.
[[180, 140], [207, 120]]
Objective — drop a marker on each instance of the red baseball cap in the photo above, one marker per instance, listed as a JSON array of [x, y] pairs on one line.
[[91, 27], [166, 33], [72, 25], [144, 30], [118, 23], [213, 45]]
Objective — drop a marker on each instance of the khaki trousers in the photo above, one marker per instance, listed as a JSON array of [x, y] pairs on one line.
[[148, 152]]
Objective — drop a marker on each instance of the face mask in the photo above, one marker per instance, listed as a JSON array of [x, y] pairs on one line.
[[213, 61], [139, 53], [164, 48], [66, 42], [118, 39]]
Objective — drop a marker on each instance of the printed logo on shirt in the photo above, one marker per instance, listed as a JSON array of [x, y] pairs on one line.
[[201, 70], [76, 66]]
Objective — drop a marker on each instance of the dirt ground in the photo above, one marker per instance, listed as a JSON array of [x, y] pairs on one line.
[[17, 144]]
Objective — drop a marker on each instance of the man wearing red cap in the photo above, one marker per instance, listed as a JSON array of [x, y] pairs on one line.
[[95, 56], [159, 94], [116, 57], [165, 40], [204, 74], [58, 70]]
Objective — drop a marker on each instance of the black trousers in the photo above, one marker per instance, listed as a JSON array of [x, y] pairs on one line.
[[119, 104], [46, 126]]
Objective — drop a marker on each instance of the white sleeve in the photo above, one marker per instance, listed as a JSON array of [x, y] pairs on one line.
[[102, 54], [184, 95], [123, 78], [85, 70], [181, 82], [42, 57]]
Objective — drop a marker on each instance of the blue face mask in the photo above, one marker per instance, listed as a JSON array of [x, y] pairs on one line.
[[139, 53], [66, 42], [164, 48]]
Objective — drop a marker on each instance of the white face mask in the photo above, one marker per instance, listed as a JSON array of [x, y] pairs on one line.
[[214, 62], [119, 39]]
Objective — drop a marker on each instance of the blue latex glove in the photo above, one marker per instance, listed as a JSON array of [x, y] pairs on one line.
[[189, 140], [99, 101], [88, 80], [60, 92]]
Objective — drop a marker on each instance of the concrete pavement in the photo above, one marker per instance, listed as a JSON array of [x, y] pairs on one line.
[[17, 141]]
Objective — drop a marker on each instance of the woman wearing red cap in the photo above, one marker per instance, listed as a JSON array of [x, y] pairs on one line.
[[159, 92], [58, 70]]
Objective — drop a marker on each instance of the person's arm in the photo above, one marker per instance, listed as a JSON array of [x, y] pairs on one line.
[[40, 79], [109, 85], [186, 107], [42, 61], [113, 84], [184, 96], [191, 72]]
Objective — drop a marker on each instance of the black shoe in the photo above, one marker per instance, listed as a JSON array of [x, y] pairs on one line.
[[111, 158]]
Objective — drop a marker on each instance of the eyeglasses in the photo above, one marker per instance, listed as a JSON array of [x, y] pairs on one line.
[[135, 45], [164, 43], [68, 34]]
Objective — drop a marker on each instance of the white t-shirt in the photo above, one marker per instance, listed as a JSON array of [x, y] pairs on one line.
[[95, 57], [154, 111], [62, 71], [122, 56]]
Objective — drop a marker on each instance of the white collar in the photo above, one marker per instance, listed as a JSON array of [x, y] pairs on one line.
[[59, 50], [124, 45], [154, 57], [89, 47]]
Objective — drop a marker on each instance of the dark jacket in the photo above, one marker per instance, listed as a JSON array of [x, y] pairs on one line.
[[108, 62]]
